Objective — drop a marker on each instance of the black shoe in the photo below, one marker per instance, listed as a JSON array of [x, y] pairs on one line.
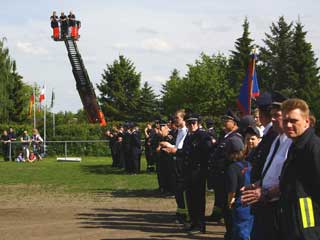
[[194, 229], [214, 218]]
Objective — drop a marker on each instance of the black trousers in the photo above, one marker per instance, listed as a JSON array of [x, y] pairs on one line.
[[196, 196], [218, 184], [265, 222]]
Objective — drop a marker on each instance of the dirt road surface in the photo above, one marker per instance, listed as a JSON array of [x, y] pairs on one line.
[[34, 215]]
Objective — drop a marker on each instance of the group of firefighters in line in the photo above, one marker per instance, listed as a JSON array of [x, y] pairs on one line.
[[64, 26], [264, 169]]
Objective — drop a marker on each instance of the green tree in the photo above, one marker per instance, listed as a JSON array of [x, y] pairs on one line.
[[240, 57], [14, 93], [306, 70], [205, 88], [172, 93], [119, 90], [275, 69], [148, 104]]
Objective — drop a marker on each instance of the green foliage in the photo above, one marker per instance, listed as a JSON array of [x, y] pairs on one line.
[[275, 71], [14, 94], [172, 93], [240, 57], [205, 88], [148, 104], [288, 64], [119, 90], [306, 70]]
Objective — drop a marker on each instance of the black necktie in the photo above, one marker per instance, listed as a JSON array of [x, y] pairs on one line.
[[271, 159]]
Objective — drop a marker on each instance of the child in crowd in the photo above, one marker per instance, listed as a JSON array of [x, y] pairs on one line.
[[20, 158], [238, 175]]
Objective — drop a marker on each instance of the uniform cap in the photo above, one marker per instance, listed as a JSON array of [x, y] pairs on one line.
[[278, 98], [231, 115], [264, 100], [246, 121], [209, 122], [193, 117], [253, 130], [162, 123]]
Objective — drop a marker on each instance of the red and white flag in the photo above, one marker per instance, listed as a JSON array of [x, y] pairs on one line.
[[41, 98]]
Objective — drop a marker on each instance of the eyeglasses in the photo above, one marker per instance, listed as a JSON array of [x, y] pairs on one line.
[[191, 122]]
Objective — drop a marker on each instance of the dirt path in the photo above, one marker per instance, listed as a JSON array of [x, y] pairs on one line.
[[91, 217]]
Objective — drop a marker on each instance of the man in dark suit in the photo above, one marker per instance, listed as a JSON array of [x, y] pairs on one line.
[[264, 103]]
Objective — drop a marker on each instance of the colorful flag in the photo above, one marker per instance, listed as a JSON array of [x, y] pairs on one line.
[[31, 102], [41, 98], [249, 88], [52, 99]]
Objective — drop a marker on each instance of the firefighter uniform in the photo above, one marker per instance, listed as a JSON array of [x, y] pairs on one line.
[[299, 208], [196, 153]]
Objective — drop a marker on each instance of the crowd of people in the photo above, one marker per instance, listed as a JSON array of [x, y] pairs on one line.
[[64, 25], [28, 149], [125, 145], [263, 168]]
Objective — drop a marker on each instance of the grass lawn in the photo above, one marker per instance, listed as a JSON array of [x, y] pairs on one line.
[[92, 174]]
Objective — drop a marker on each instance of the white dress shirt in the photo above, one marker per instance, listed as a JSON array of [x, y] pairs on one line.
[[182, 133], [266, 128], [271, 178]]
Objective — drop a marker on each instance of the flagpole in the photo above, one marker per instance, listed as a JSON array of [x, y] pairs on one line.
[[53, 124], [45, 117], [34, 106], [53, 116]]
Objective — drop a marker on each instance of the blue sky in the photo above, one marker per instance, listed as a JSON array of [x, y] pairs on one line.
[[157, 36]]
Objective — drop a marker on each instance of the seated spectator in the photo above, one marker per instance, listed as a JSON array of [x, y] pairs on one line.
[[20, 158], [32, 158]]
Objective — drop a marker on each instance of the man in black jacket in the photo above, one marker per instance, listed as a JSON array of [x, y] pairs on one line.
[[218, 165], [195, 153], [299, 213], [259, 156]]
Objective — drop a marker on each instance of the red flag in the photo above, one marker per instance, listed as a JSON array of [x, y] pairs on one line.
[[41, 97]]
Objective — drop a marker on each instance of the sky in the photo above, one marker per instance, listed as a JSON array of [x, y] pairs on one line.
[[157, 36]]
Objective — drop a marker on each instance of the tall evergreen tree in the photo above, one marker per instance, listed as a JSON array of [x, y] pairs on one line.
[[172, 93], [119, 90], [240, 58], [148, 104], [276, 71], [14, 93], [306, 71]]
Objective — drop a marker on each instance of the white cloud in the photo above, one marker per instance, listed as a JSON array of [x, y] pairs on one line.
[[156, 44], [146, 30], [27, 47], [121, 45]]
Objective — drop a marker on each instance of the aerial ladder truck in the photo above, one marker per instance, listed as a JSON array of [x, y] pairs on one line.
[[83, 83]]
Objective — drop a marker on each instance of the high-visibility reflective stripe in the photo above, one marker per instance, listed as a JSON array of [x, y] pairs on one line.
[[310, 206], [307, 215]]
